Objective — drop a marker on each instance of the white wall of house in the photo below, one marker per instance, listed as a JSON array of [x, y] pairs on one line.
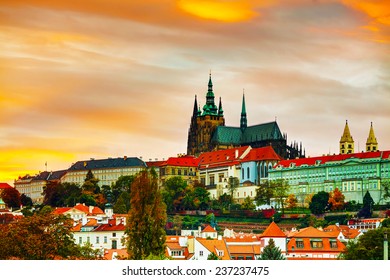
[[200, 251], [100, 239]]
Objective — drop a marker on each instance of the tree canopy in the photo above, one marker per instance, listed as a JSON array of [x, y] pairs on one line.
[[273, 189], [42, 236], [319, 203], [11, 197], [368, 247], [147, 218]]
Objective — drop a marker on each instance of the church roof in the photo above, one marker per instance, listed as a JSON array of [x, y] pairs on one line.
[[265, 131], [235, 136]]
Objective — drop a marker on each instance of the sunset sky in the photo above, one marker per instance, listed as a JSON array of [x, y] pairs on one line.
[[99, 78]]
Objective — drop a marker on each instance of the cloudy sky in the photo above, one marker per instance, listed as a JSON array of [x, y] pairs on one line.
[[98, 78]]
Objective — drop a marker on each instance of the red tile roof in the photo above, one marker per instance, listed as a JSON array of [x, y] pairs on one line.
[[264, 153], [208, 228], [111, 226], [310, 232], [5, 186], [84, 208], [330, 158], [61, 210], [273, 231], [154, 163], [222, 158], [188, 161]]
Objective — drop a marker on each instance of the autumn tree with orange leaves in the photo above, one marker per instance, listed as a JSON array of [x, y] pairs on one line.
[[336, 200], [147, 218]]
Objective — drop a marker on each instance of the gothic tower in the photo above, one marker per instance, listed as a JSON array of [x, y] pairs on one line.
[[346, 141], [243, 120], [371, 144], [203, 124]]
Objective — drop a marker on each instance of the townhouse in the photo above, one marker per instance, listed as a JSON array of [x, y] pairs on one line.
[[313, 244]]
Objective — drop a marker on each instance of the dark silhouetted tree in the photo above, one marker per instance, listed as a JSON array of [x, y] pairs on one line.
[[319, 203]]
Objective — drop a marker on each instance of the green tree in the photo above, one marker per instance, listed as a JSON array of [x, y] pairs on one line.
[[319, 202], [190, 222], [123, 184], [248, 204], [385, 186], [202, 197], [281, 189], [225, 201], [271, 252], [368, 247], [264, 193], [174, 193], [233, 184], [213, 256], [90, 185], [147, 218], [120, 205], [39, 237], [177, 223]]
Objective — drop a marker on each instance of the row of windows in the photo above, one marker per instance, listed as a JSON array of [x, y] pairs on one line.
[[97, 239]]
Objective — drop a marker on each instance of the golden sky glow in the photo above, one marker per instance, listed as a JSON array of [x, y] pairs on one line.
[[229, 11], [96, 79]]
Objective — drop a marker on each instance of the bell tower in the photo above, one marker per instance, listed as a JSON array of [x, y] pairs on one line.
[[346, 141], [372, 143]]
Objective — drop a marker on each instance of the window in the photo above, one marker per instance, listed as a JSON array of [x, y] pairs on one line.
[[114, 234], [220, 177], [80, 240], [212, 182], [333, 243], [88, 239], [201, 253], [97, 240], [105, 239], [316, 243], [299, 243], [248, 173], [242, 173]]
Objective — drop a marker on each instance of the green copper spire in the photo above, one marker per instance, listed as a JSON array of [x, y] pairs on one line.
[[243, 122], [210, 108]]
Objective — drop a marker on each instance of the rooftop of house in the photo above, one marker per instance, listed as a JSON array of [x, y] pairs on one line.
[[263, 153], [273, 230], [107, 163], [213, 245], [333, 158], [226, 157], [209, 228], [184, 161]]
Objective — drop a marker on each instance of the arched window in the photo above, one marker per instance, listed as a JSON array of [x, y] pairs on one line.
[[247, 170]]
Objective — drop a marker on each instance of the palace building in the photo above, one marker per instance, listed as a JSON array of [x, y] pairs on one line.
[[208, 131], [352, 173]]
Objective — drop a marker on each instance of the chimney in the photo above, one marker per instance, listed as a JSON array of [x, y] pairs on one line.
[[125, 157], [219, 237], [236, 154], [90, 209]]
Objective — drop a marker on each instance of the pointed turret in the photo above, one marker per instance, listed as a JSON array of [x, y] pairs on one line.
[[346, 141], [210, 108], [243, 121], [220, 110], [372, 143], [195, 112]]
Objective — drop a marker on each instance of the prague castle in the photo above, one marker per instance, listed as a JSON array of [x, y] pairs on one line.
[[208, 131]]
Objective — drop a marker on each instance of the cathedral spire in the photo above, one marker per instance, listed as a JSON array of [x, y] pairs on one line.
[[243, 121], [195, 112], [210, 108], [220, 110], [346, 141], [372, 143]]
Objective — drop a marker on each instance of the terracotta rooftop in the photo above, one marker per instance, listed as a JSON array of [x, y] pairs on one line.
[[263, 153], [212, 245], [209, 228], [273, 231], [222, 157], [188, 161]]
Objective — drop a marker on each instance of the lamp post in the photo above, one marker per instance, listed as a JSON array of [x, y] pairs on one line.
[[385, 247]]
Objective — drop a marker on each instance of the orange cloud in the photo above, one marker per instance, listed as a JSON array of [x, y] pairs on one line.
[[376, 9], [221, 10]]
